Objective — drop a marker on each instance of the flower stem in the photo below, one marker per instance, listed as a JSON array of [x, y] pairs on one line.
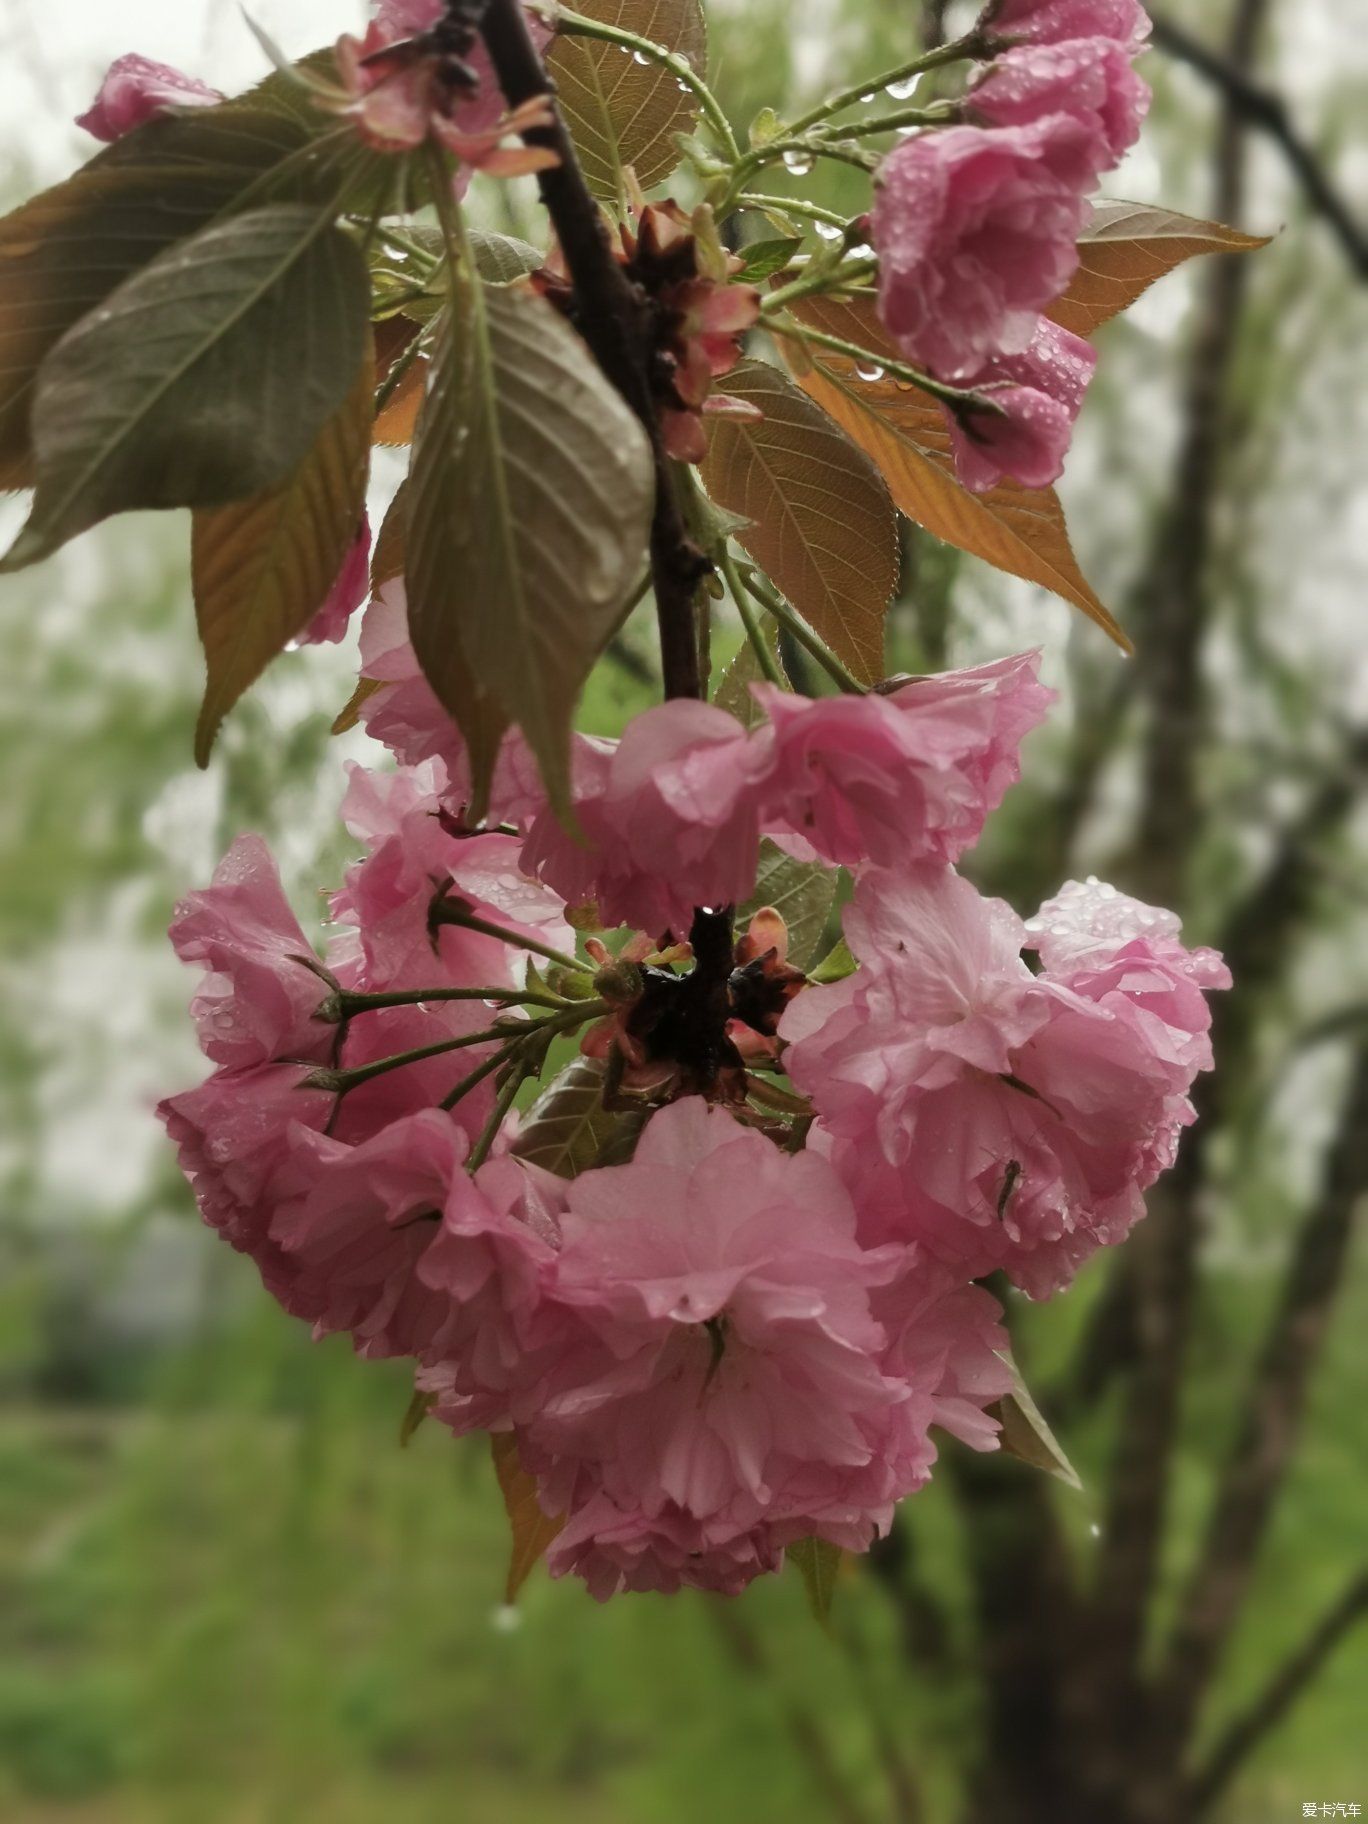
[[351, 1003], [773, 603], [576, 25], [821, 279], [793, 205], [899, 370], [769, 665], [518, 1073], [447, 913], [959, 51]]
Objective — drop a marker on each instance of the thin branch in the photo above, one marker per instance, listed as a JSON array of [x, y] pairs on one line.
[[1271, 1415], [1288, 1684], [612, 316], [1265, 109]]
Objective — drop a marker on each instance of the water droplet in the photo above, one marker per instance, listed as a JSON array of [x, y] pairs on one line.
[[798, 162], [828, 231], [862, 251], [866, 370], [641, 58], [1095, 1530], [904, 89], [291, 646], [506, 1619]]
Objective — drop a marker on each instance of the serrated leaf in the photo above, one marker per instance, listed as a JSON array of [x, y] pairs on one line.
[[397, 423], [802, 892], [1026, 1435], [261, 568], [733, 688], [621, 112], [203, 379], [1126, 248], [503, 258], [822, 524], [1019, 530], [532, 1530], [530, 498], [819, 1564], [68, 248], [567, 1130], [762, 259]]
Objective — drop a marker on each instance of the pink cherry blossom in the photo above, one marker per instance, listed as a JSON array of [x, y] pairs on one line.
[[136, 89], [262, 988], [671, 818], [416, 860], [614, 1549], [405, 716], [976, 232], [902, 777], [349, 590], [1051, 21], [726, 1364], [1088, 79], [1040, 402]]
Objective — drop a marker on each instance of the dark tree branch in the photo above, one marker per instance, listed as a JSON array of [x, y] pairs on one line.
[[1265, 109], [1282, 1691], [1270, 1425], [613, 318]]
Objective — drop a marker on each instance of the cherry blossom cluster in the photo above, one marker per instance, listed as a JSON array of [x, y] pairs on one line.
[[743, 1331], [976, 226]]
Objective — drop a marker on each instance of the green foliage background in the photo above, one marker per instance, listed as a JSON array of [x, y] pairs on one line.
[[225, 1594]]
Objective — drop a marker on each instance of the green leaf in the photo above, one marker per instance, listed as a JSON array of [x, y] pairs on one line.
[[261, 568], [822, 523], [765, 127], [621, 112], [819, 1565], [530, 501], [802, 892], [835, 966], [68, 248], [567, 1130], [762, 259], [532, 1530], [1026, 1435], [733, 687], [502, 258], [203, 379], [1126, 248]]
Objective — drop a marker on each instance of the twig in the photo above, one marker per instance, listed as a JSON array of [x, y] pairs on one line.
[[1265, 109], [613, 319], [1282, 1691], [1272, 1410]]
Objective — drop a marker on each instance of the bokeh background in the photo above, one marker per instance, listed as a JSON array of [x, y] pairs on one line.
[[226, 1594]]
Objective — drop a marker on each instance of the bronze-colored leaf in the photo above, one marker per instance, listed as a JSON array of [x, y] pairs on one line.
[[350, 713], [397, 422], [532, 1530], [567, 1130], [387, 553], [1019, 530], [1127, 247], [821, 522], [262, 567], [819, 1565], [621, 112]]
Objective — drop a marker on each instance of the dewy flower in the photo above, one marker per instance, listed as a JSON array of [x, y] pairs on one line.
[[902, 777], [1090, 80], [1052, 21], [1000, 1119], [671, 821], [262, 985], [1037, 394], [976, 232], [136, 89]]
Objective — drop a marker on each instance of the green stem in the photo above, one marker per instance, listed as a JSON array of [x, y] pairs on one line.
[[477, 1076], [792, 205], [403, 362], [821, 279], [518, 1074], [769, 665], [959, 52], [351, 1003], [899, 370], [940, 116], [773, 603], [344, 1081], [451, 915], [576, 25]]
